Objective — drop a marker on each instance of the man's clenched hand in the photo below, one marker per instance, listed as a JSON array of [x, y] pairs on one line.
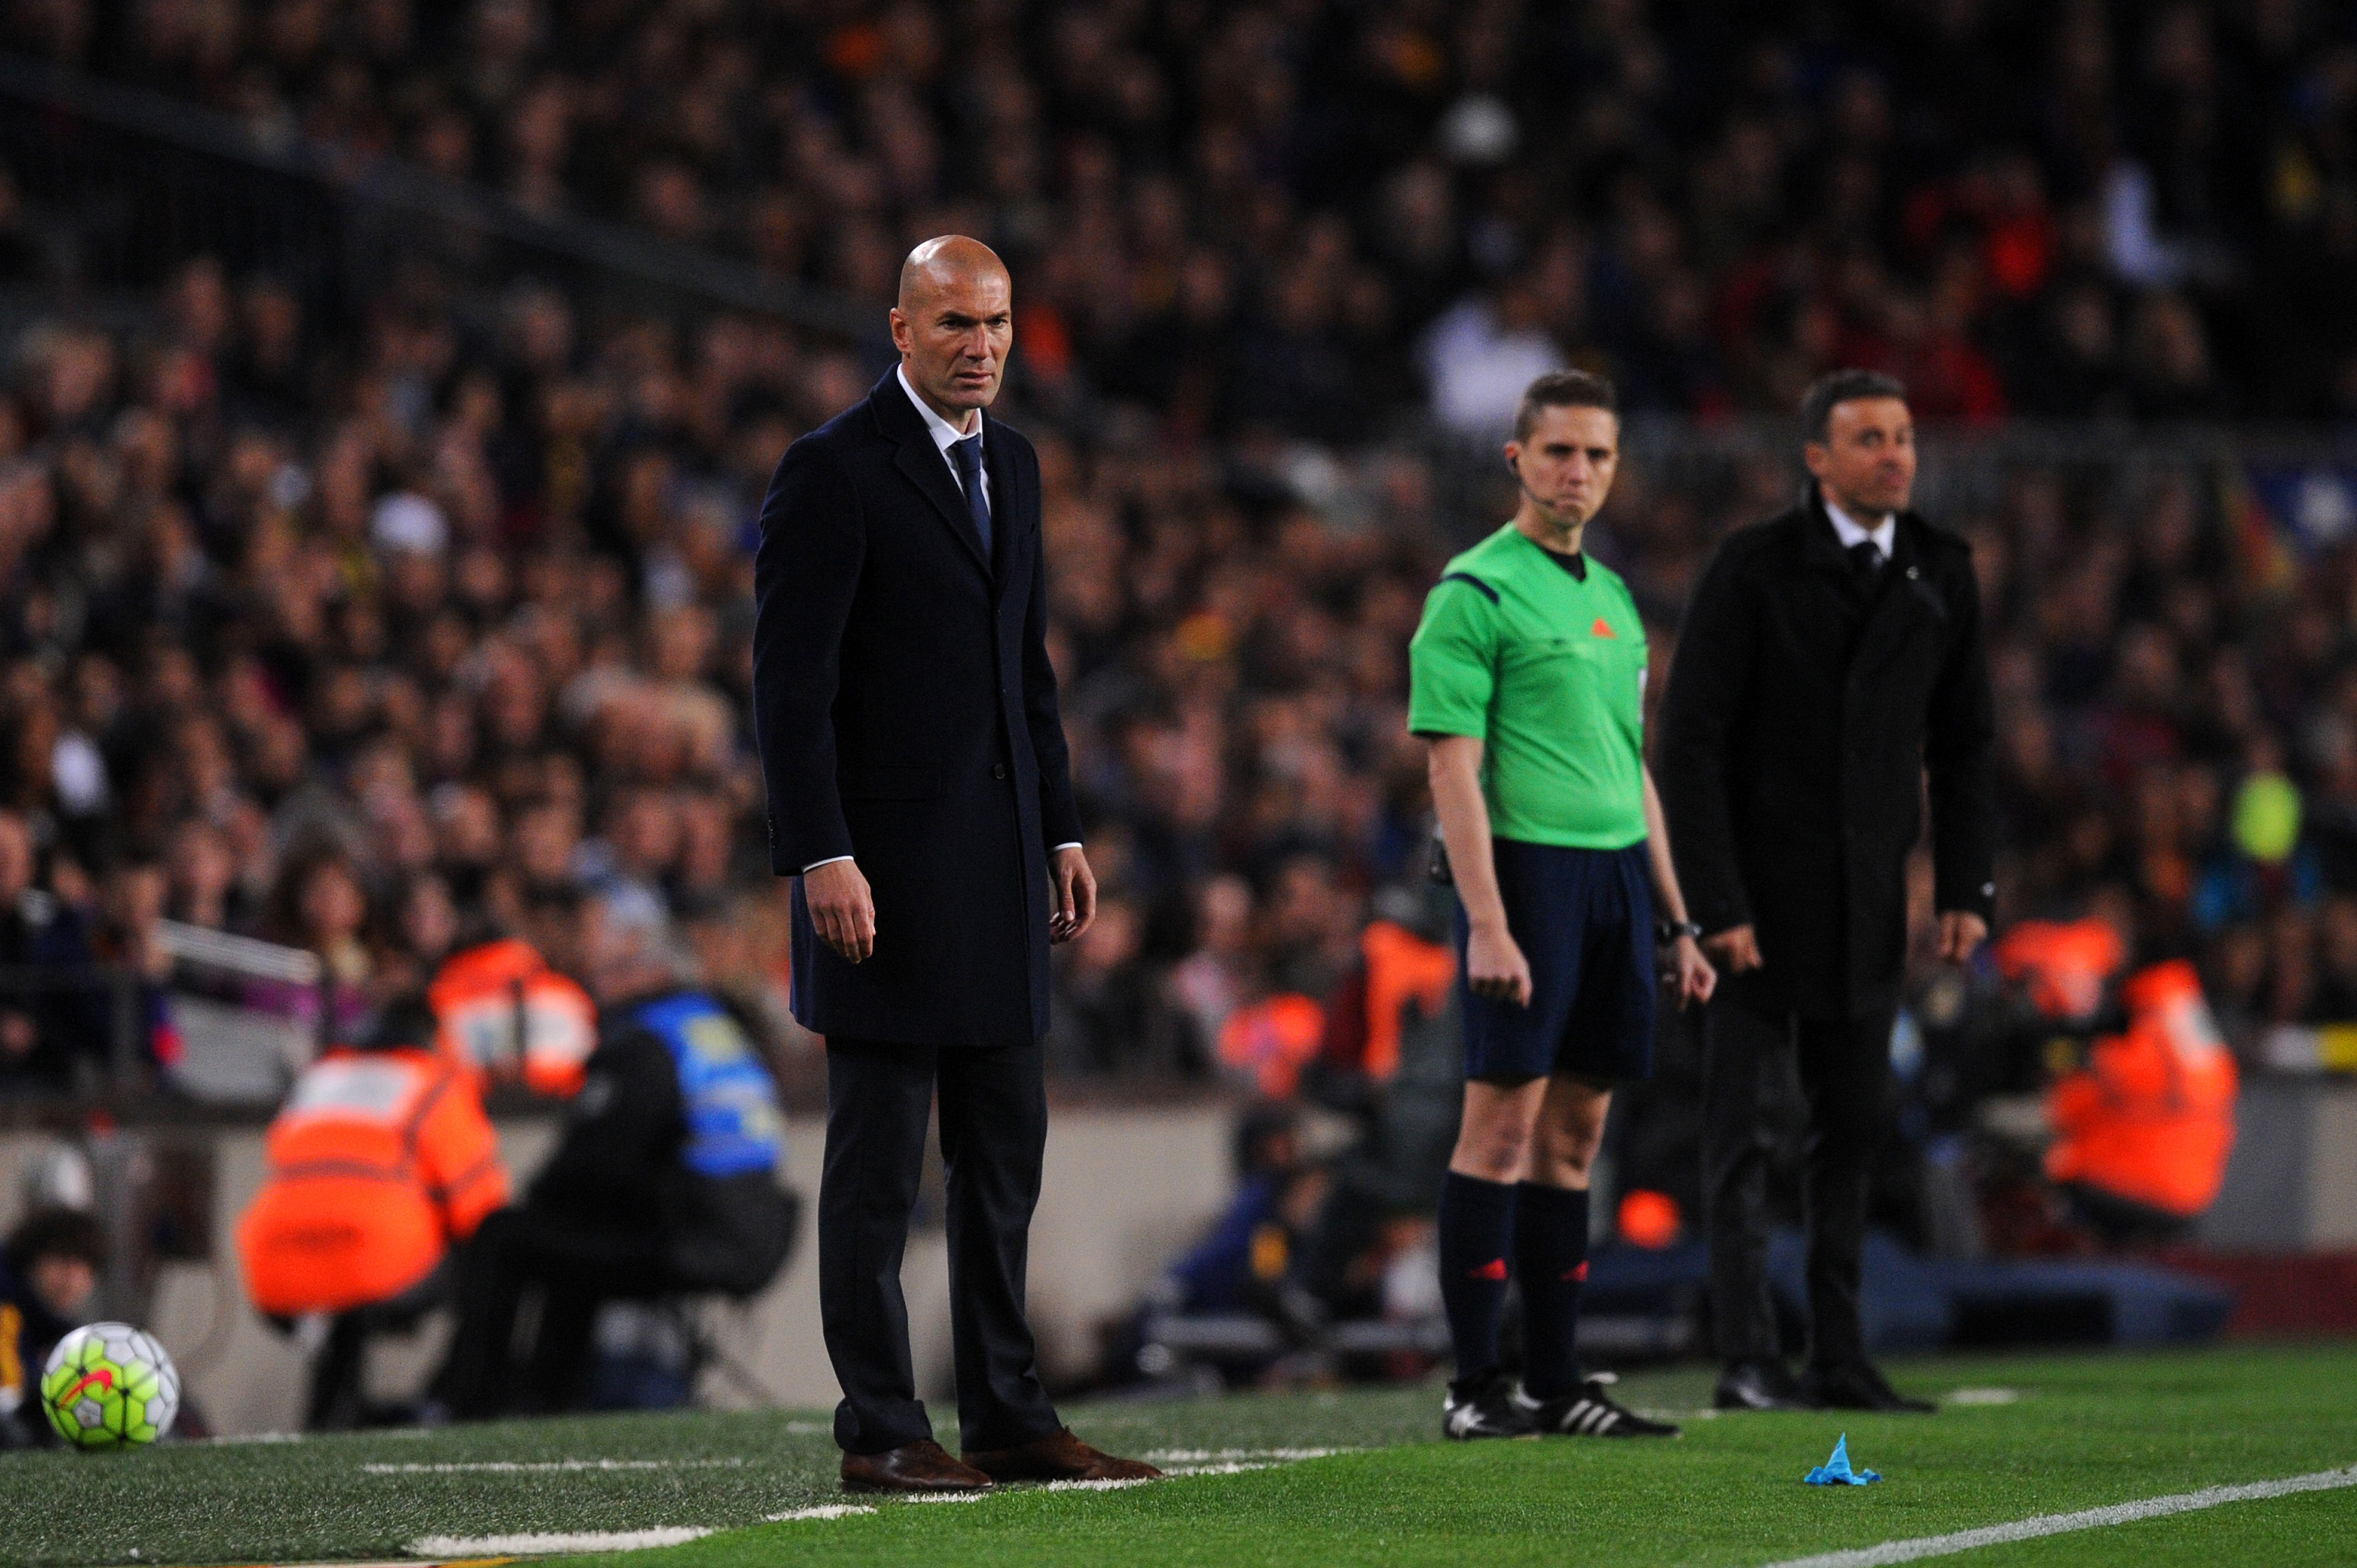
[[1735, 950], [1074, 898], [840, 908]]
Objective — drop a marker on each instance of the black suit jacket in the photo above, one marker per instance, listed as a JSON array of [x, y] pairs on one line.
[[906, 714], [1804, 709]]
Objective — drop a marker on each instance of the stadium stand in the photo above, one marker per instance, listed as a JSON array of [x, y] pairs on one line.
[[353, 514], [1262, 214]]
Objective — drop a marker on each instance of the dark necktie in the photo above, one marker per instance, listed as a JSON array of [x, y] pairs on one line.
[[968, 454], [1866, 556]]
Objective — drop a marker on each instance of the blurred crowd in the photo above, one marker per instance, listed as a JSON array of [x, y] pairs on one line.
[[379, 636], [1300, 216], [460, 633]]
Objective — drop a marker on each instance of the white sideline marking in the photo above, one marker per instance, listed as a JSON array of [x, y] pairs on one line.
[[537, 1466], [2064, 1523], [556, 1545], [1983, 1396], [1208, 1462]]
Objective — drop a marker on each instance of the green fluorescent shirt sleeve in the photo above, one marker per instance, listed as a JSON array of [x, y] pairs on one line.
[[1453, 662]]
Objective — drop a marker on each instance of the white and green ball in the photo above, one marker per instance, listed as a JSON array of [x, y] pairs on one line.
[[109, 1384]]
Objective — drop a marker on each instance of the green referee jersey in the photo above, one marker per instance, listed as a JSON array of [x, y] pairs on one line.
[[1548, 671]]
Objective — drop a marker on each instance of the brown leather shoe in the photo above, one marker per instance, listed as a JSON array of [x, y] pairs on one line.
[[921, 1466], [1058, 1456]]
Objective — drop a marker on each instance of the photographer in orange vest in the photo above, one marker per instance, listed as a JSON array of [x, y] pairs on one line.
[[506, 1015], [2142, 1130], [380, 1161]]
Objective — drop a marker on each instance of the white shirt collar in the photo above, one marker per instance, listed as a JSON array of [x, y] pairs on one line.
[[1849, 532], [945, 435]]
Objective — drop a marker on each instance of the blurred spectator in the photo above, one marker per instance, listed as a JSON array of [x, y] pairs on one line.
[[49, 1282], [50, 1034], [131, 903], [320, 906], [1107, 1015], [1481, 353]]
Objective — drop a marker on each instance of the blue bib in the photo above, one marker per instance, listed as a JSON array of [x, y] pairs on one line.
[[733, 1122]]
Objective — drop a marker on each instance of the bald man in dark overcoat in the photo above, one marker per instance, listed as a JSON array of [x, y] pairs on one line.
[[921, 798]]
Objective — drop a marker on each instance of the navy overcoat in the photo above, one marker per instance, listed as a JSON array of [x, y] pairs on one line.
[[906, 714]]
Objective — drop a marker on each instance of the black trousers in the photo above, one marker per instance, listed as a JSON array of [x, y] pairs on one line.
[[338, 1401], [1844, 1068], [575, 1265], [994, 1123]]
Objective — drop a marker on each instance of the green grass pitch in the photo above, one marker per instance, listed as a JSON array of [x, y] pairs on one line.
[[2084, 1432]]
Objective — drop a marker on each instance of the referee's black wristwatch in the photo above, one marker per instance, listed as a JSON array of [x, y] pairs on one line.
[[1667, 932]]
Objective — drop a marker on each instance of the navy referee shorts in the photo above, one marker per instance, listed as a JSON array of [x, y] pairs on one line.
[[1584, 919]]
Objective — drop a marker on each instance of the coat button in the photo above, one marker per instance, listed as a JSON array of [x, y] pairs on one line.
[[998, 770]]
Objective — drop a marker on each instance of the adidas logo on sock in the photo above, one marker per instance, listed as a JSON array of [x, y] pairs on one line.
[[1578, 1276], [1495, 1269]]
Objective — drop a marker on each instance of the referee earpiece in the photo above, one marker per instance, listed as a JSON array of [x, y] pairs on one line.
[[1516, 470]]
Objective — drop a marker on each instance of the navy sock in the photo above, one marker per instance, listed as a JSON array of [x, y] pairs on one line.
[[1551, 1259], [1476, 1229]]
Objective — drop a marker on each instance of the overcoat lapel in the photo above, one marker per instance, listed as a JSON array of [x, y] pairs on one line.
[[1905, 604], [1821, 547], [915, 456]]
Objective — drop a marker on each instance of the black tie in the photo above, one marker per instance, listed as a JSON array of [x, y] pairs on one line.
[[968, 454], [1866, 556]]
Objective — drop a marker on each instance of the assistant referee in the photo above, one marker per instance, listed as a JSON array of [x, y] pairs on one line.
[[1528, 681]]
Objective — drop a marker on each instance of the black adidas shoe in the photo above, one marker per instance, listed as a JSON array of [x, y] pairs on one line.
[[1486, 1407], [1591, 1413]]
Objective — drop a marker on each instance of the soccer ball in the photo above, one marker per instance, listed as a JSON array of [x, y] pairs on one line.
[[109, 1384]]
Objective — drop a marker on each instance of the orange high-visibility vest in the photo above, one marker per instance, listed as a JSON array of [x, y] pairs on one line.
[[505, 1016], [1272, 1040], [378, 1160], [2066, 966], [2151, 1116], [1402, 967]]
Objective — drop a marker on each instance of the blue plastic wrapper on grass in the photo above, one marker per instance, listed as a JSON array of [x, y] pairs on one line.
[[1837, 1471]]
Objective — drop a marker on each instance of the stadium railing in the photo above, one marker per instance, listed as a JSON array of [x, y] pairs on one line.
[[231, 1055]]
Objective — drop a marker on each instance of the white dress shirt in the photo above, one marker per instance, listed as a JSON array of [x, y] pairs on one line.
[[945, 435], [1851, 532]]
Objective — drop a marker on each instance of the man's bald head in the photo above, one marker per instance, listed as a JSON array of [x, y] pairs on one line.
[[953, 325], [943, 263]]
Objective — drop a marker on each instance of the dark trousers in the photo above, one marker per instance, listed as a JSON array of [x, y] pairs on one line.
[[575, 1265], [338, 1400], [994, 1128], [1843, 1068]]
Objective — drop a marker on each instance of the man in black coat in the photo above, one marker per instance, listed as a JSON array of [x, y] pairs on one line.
[[1831, 657], [920, 794]]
